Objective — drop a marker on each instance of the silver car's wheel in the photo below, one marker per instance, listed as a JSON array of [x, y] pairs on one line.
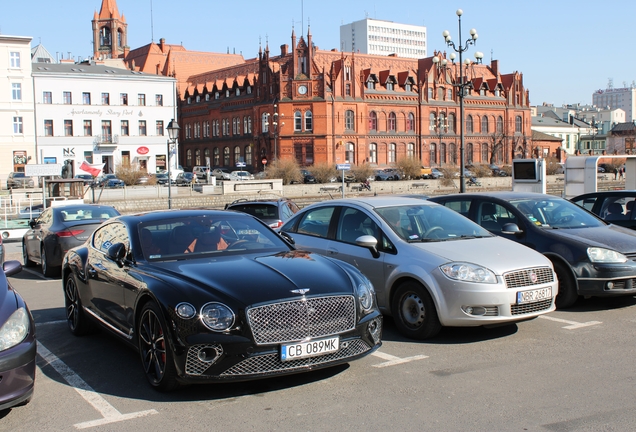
[[414, 311], [25, 257]]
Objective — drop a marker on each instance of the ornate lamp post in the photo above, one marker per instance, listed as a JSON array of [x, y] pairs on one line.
[[439, 126], [173, 134], [462, 88]]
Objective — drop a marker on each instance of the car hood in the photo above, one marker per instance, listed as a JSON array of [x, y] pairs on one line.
[[610, 236], [496, 253], [252, 279], [8, 304]]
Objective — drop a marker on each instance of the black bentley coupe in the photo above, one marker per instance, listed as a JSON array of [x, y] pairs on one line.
[[211, 295]]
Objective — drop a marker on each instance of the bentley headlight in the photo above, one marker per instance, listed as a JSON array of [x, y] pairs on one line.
[[601, 255], [467, 272], [217, 316], [365, 296], [15, 330]]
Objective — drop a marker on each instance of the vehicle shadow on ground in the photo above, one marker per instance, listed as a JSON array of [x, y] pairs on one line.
[[451, 335], [597, 304], [110, 367]]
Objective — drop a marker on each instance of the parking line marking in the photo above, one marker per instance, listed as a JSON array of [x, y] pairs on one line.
[[393, 360], [573, 324], [110, 414]]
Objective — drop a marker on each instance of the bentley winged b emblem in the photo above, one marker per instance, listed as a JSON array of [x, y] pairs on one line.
[[300, 291]]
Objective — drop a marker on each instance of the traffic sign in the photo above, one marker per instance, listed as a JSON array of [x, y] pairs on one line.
[[240, 164], [343, 167], [37, 170]]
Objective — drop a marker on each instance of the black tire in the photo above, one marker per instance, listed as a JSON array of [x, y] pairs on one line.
[[47, 270], [157, 358], [414, 312], [78, 323], [25, 257], [568, 294]]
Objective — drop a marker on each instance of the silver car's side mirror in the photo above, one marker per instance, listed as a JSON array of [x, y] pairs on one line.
[[370, 243], [511, 228]]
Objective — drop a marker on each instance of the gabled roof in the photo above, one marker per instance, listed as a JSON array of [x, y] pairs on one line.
[[39, 54], [624, 127], [540, 136]]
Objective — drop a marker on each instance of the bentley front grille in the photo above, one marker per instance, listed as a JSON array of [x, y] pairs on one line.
[[297, 320], [271, 363], [529, 277], [530, 307]]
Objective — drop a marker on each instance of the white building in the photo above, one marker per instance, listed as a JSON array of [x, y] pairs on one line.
[[570, 133], [102, 114], [623, 98], [379, 37], [17, 132]]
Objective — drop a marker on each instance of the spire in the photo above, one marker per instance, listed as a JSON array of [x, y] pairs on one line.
[[109, 9]]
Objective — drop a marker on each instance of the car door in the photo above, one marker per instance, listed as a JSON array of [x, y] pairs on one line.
[[34, 237], [106, 279]]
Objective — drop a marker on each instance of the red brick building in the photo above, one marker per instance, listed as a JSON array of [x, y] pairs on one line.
[[327, 106]]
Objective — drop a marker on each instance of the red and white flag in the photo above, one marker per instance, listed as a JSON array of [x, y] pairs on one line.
[[92, 169]]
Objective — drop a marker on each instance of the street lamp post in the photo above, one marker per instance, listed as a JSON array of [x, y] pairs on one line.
[[173, 134], [462, 87], [439, 125]]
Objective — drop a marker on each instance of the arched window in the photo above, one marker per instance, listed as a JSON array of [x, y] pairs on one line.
[[410, 122], [206, 156], [410, 151], [104, 37], [440, 94], [189, 157], [265, 122], [392, 151], [452, 154], [350, 153], [469, 124], [249, 124], [451, 123], [373, 121], [237, 155], [469, 153], [248, 155], [484, 124], [217, 157], [391, 125], [432, 122], [484, 153], [298, 121], [442, 154], [197, 157], [449, 94], [518, 124], [308, 121], [373, 153], [349, 120], [500, 125], [226, 156], [433, 154], [245, 125]]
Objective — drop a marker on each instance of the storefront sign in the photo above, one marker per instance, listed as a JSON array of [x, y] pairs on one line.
[[143, 150]]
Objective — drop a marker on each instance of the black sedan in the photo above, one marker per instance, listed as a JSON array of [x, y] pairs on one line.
[[208, 295], [590, 257], [17, 344], [58, 229], [614, 206]]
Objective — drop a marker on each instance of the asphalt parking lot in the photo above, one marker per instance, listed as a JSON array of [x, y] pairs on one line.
[[568, 371]]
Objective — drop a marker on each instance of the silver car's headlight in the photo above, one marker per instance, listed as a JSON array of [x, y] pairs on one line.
[[365, 295], [217, 316], [602, 255], [467, 272], [15, 330]]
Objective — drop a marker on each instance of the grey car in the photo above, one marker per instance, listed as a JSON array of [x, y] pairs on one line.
[[19, 180], [430, 266]]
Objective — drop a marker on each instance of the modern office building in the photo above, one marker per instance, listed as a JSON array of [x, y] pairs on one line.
[[623, 98], [17, 137], [378, 37]]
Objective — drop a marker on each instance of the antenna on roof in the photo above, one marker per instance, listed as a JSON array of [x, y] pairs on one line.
[[152, 27]]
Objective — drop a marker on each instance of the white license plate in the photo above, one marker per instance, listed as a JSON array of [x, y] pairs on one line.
[[534, 295], [310, 348]]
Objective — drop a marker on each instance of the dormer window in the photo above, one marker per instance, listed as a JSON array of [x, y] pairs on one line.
[[198, 98], [207, 96], [407, 87], [249, 90], [227, 93], [497, 92], [189, 100], [389, 85], [238, 91], [216, 95], [482, 92]]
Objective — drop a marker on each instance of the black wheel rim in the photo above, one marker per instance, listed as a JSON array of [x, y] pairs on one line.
[[152, 346], [72, 303]]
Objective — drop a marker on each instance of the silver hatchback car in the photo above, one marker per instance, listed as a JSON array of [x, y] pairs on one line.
[[430, 266]]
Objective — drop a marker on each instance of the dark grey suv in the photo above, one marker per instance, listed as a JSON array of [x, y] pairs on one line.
[[274, 212], [19, 180]]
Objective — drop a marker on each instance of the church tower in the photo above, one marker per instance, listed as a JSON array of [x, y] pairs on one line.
[[110, 32]]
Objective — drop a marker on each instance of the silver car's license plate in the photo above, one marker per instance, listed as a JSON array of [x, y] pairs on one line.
[[310, 348], [534, 295]]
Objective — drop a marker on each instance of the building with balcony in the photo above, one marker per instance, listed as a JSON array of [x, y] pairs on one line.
[[101, 114]]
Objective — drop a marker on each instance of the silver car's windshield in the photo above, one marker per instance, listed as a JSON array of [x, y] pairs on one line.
[[422, 223], [555, 213]]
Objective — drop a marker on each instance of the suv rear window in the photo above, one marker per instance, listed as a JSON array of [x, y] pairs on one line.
[[266, 211]]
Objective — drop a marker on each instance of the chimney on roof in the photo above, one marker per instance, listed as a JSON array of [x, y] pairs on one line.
[[494, 65], [162, 45], [283, 49]]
